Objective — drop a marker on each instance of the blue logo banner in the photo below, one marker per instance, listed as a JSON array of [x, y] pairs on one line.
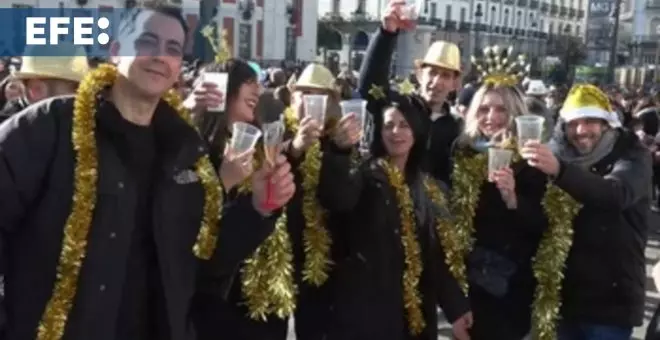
[[75, 31]]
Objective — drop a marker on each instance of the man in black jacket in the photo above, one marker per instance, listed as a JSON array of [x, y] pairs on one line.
[[438, 74], [109, 201], [608, 171]]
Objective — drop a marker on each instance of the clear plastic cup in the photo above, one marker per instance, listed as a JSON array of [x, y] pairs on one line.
[[315, 106], [498, 159], [220, 80], [358, 107], [529, 127], [409, 12], [244, 137], [273, 136]]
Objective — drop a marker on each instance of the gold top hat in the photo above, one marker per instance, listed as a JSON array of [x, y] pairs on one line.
[[588, 101], [442, 54], [70, 63], [315, 76]]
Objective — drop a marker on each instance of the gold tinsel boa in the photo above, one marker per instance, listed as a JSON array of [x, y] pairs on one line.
[[449, 236], [548, 264], [267, 282], [412, 299], [550, 260], [267, 276], [316, 237], [467, 178], [79, 221]]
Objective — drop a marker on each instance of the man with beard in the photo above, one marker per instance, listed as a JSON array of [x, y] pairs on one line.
[[109, 200], [438, 74], [608, 171]]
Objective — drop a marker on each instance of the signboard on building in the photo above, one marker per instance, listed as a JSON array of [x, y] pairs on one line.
[[600, 24]]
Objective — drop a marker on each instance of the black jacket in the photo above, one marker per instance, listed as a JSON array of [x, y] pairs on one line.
[[368, 302], [605, 274], [442, 131], [36, 176]]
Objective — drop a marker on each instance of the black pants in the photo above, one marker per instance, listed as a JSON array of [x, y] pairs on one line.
[[506, 318]]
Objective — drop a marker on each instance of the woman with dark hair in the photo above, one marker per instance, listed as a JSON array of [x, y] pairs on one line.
[[393, 272], [220, 306]]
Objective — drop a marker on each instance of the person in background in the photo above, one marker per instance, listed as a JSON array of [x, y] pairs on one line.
[[45, 76], [464, 99], [438, 74], [607, 170]]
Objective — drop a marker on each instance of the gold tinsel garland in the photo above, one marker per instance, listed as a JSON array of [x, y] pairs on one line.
[[317, 240], [267, 276], [450, 241], [412, 299], [468, 176], [76, 230], [267, 282], [550, 260]]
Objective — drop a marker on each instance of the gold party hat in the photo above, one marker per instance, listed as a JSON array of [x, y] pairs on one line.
[[499, 67]]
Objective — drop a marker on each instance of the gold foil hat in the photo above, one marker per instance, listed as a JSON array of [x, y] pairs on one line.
[[315, 76], [442, 54]]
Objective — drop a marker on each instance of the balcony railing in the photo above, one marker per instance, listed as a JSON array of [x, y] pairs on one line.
[[563, 11], [451, 25], [554, 9], [653, 4]]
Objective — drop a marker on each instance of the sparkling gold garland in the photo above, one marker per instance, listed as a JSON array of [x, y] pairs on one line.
[[447, 233], [468, 176], [267, 276], [317, 240], [76, 230], [550, 260], [412, 299]]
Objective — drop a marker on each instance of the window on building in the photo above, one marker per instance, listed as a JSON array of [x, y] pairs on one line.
[[519, 19], [493, 11], [448, 13], [505, 22], [541, 25], [551, 28], [335, 6], [463, 14], [426, 6], [577, 30], [560, 28], [434, 10]]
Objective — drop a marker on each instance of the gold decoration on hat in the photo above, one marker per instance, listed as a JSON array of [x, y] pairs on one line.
[[406, 87], [219, 43], [499, 67], [377, 92], [586, 95]]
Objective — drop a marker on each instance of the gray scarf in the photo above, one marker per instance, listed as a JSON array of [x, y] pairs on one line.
[[568, 153]]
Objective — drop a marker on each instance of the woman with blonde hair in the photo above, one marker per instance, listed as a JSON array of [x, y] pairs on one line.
[[499, 211]]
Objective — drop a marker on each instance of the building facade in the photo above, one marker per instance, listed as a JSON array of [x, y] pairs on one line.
[[534, 27], [262, 30]]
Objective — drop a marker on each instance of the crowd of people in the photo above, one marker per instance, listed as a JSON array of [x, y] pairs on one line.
[[128, 212]]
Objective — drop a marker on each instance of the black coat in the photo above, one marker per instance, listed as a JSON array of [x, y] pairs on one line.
[[36, 181], [442, 131], [605, 274], [368, 300], [513, 234]]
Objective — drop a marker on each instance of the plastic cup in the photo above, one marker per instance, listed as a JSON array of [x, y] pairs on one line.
[[315, 106], [220, 80], [358, 107], [409, 12], [498, 159], [529, 127], [244, 137]]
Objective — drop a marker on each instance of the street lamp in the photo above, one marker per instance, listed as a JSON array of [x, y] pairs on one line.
[[476, 26]]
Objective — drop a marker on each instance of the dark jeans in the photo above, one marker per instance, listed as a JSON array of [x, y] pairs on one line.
[[587, 331]]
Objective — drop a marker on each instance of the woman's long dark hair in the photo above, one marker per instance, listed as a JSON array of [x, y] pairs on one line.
[[213, 125]]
